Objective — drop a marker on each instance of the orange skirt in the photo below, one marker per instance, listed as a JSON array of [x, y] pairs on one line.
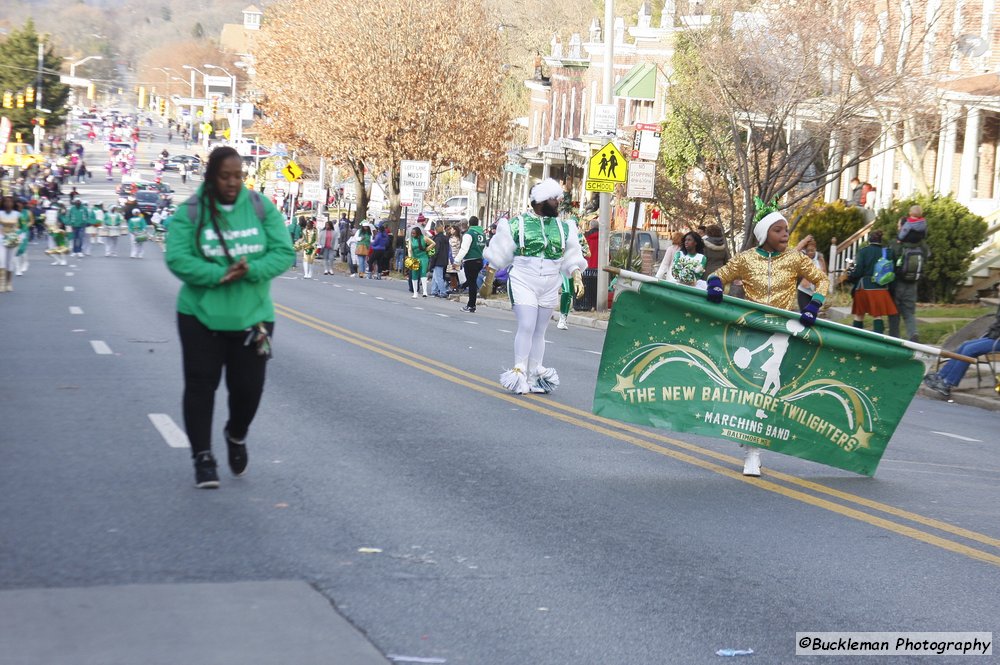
[[877, 302]]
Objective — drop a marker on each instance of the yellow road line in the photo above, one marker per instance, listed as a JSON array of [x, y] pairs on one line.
[[572, 417]]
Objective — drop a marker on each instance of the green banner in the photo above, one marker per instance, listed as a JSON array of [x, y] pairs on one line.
[[753, 374]]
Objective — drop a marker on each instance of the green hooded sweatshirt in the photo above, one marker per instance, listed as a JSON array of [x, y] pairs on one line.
[[265, 245]]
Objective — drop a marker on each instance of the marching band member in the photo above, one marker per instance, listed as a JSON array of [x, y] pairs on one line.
[[137, 230], [10, 221], [770, 275], [113, 223], [541, 250]]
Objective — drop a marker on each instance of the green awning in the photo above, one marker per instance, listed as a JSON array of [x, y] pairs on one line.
[[639, 83]]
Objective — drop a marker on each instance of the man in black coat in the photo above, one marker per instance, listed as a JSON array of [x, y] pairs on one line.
[[439, 262]]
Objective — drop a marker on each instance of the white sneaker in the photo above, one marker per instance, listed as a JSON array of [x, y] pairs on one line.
[[562, 323], [751, 462]]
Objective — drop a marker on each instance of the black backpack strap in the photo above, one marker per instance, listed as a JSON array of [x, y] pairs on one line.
[[258, 204]]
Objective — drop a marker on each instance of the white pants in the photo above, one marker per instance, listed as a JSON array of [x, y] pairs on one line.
[[111, 246], [137, 248], [7, 255], [534, 282]]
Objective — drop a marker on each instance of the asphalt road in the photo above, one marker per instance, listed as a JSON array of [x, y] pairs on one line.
[[511, 529]]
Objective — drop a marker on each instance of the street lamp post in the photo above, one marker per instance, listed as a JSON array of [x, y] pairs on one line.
[[191, 110], [236, 113], [72, 73]]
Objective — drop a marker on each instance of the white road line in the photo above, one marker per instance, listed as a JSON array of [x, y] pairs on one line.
[[100, 347], [472, 323], [70, 274], [957, 436], [339, 286], [350, 290], [168, 429], [443, 316], [76, 310], [415, 307], [596, 353], [68, 288], [362, 293], [505, 331], [379, 298]]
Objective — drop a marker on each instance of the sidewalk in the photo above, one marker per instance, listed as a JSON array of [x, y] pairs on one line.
[[243, 623]]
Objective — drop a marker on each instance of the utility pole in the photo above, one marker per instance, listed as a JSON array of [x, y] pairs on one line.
[[604, 219], [38, 129]]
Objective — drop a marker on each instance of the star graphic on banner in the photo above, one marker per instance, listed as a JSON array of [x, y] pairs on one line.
[[692, 341], [875, 400], [687, 314], [698, 416], [697, 320], [857, 357], [795, 437], [623, 383], [873, 368], [682, 329], [864, 438], [637, 344], [843, 360], [833, 374]]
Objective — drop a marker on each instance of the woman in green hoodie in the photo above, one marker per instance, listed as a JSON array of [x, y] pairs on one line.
[[226, 244]]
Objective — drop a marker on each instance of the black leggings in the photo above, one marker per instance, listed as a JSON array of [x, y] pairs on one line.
[[472, 268], [205, 352]]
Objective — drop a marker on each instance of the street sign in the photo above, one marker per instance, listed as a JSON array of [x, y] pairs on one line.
[[608, 164], [312, 190], [605, 119], [646, 144], [603, 186], [515, 168], [292, 172], [641, 179], [406, 196], [414, 174]]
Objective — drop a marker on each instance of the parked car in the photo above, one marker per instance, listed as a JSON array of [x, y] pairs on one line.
[[21, 155], [620, 239], [149, 201], [456, 209], [174, 163]]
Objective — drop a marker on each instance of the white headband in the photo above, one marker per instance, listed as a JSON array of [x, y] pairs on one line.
[[761, 228], [545, 190]]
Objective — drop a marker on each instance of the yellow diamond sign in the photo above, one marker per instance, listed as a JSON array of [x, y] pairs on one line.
[[292, 172], [608, 164]]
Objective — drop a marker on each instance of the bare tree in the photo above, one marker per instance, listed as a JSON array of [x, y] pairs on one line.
[[404, 79], [776, 91]]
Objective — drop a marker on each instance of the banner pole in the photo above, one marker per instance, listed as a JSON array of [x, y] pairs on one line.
[[913, 346]]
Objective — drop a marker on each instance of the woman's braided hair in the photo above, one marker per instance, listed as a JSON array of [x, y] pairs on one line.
[[210, 195]]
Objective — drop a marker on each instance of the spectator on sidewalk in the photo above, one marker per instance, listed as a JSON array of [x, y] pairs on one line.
[[470, 257], [951, 374], [716, 249], [439, 262], [911, 252], [869, 297], [806, 288]]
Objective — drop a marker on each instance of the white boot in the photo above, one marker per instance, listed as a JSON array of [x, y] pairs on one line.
[[17, 266], [423, 285], [562, 322], [751, 462]]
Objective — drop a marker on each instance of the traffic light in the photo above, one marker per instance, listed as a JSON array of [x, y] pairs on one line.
[[29, 95], [20, 100], [8, 100], [41, 121], [215, 106], [163, 106]]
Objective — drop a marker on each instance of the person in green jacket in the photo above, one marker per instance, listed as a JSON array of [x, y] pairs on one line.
[[418, 251], [226, 244], [137, 229], [77, 218]]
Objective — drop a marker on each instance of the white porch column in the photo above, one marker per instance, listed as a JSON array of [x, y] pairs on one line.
[[545, 167], [832, 192], [970, 155], [852, 154], [946, 150], [907, 183]]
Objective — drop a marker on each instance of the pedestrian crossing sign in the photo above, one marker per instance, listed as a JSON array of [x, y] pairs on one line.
[[292, 172], [608, 165]]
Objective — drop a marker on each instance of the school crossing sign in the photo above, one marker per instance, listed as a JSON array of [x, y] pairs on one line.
[[607, 168]]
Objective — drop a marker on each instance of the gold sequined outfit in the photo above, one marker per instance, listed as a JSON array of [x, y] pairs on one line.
[[771, 278]]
